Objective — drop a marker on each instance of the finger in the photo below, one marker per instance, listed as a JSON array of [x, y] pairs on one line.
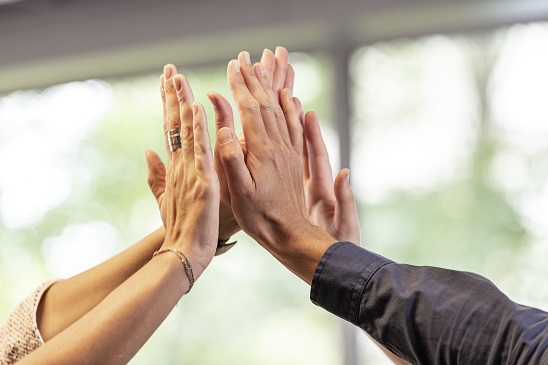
[[172, 104], [203, 158], [268, 60], [318, 158], [238, 177], [256, 89], [304, 152], [248, 108], [164, 112], [281, 68], [294, 126], [156, 173], [185, 100], [299, 107], [223, 118], [275, 102], [346, 214], [289, 78], [305, 158]]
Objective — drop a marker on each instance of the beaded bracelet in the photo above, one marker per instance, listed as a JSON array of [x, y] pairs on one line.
[[184, 260]]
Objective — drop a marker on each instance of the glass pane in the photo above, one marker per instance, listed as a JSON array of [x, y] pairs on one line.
[[449, 157]]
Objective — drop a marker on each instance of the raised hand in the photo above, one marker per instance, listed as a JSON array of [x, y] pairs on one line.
[[187, 191], [280, 75], [329, 205], [266, 186]]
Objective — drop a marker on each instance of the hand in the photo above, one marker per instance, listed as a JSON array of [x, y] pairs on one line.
[[280, 74], [157, 172], [188, 191], [266, 185]]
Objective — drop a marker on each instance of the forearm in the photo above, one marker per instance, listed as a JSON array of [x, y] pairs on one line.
[[113, 331], [68, 300]]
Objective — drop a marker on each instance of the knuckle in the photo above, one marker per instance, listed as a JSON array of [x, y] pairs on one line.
[[266, 106], [231, 156], [251, 106], [279, 114]]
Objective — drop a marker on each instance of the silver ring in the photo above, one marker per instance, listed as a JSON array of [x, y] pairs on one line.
[[174, 139]]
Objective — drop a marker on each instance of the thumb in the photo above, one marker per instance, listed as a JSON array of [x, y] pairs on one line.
[[346, 215], [156, 173], [232, 157]]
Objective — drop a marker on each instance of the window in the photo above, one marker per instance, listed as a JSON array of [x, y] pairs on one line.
[[449, 159]]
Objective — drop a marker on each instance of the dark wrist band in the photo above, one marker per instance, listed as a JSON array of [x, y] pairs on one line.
[[223, 246]]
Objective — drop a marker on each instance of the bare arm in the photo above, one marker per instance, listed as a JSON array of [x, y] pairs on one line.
[[67, 301], [113, 331]]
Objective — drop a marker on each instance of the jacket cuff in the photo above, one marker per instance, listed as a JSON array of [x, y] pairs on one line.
[[341, 276]]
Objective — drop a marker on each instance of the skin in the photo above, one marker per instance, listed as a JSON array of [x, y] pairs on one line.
[[116, 328]]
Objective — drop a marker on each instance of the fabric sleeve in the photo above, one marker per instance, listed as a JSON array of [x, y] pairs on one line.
[[428, 315], [20, 335]]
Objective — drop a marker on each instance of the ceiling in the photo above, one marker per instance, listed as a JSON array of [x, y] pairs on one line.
[[43, 42]]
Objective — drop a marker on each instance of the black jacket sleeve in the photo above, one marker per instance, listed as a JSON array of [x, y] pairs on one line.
[[428, 315]]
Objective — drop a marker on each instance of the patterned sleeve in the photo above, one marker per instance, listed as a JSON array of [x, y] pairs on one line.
[[20, 335]]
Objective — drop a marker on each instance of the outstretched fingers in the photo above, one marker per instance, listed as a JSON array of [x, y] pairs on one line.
[[254, 83], [346, 215], [185, 100], [156, 174], [268, 60], [203, 158], [293, 121], [280, 72], [318, 158], [224, 118], [249, 109], [172, 116], [279, 116]]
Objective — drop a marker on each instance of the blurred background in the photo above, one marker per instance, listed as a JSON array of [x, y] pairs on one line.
[[439, 108]]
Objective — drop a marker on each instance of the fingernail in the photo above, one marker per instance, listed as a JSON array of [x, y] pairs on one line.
[[261, 70], [177, 83], [236, 65], [247, 59], [348, 177], [168, 72], [195, 108], [224, 135]]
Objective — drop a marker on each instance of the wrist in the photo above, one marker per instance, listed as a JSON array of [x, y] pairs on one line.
[[300, 249], [172, 269], [198, 258]]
